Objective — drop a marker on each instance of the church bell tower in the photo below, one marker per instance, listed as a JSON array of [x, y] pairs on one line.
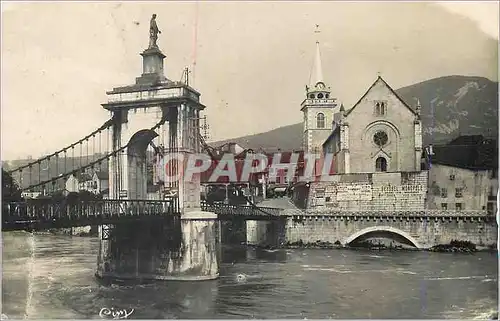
[[318, 108]]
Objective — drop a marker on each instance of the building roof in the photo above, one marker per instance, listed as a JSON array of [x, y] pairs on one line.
[[102, 175], [332, 134], [286, 156], [467, 140], [390, 88], [467, 152]]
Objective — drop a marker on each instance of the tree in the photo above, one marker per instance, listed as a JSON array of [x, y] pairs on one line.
[[10, 189]]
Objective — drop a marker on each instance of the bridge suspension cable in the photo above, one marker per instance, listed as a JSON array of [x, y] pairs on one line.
[[206, 148], [104, 126], [91, 163]]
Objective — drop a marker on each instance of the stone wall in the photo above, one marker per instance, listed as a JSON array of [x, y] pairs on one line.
[[265, 233], [372, 191], [425, 232]]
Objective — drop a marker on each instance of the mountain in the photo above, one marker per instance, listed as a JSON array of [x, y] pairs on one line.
[[451, 106], [460, 105]]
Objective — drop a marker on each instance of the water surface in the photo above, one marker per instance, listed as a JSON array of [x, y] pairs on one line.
[[47, 276]]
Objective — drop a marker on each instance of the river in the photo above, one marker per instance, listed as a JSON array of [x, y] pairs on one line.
[[47, 276]]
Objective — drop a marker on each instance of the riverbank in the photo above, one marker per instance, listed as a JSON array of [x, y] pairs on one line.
[[452, 247], [81, 231]]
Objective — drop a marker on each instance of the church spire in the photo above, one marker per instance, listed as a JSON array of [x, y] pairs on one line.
[[318, 68], [317, 76]]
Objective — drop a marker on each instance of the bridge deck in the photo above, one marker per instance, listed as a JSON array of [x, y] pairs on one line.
[[42, 214], [35, 213]]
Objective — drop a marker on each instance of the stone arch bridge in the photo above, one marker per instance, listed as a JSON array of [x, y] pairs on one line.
[[420, 229]]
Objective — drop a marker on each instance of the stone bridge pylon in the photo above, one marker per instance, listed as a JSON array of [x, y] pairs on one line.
[[182, 247]]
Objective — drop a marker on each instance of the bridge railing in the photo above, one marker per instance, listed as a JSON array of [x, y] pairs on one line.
[[39, 209], [240, 210], [415, 213]]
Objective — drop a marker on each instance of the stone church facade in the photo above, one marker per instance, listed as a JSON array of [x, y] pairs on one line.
[[376, 146], [381, 133]]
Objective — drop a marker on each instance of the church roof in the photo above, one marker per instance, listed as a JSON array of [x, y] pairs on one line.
[[390, 88], [334, 132]]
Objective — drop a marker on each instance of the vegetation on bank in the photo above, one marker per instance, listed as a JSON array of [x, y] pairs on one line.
[[11, 192], [455, 246], [10, 189]]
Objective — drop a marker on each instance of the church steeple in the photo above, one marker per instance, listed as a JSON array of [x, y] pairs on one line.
[[318, 69], [318, 107], [316, 80]]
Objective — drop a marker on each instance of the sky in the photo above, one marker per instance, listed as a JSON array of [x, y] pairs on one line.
[[60, 58]]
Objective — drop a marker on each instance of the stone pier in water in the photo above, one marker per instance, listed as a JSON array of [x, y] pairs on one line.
[[181, 248]]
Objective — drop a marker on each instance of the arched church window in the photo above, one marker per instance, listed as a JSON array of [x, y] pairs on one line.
[[320, 95], [380, 108], [320, 120], [381, 165], [380, 139]]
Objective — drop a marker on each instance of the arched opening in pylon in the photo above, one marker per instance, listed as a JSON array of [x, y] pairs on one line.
[[140, 158]]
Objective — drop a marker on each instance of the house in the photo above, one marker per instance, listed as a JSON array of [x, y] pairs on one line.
[[34, 192], [96, 183], [463, 174], [153, 192], [72, 184], [100, 182], [85, 182]]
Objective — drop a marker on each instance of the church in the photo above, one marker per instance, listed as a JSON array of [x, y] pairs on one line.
[[380, 133], [376, 146]]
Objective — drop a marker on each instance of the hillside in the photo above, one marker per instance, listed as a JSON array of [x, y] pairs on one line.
[[451, 105], [460, 104]]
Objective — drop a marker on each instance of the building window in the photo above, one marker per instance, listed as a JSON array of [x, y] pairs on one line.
[[320, 120], [381, 165], [489, 207], [444, 206], [458, 192], [444, 192], [380, 138], [380, 108], [320, 95], [311, 96], [458, 206], [452, 177]]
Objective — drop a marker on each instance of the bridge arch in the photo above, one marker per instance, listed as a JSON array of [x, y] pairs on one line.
[[386, 229], [138, 143], [137, 172]]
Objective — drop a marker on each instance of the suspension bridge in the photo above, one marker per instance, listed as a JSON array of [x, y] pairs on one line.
[[169, 233]]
